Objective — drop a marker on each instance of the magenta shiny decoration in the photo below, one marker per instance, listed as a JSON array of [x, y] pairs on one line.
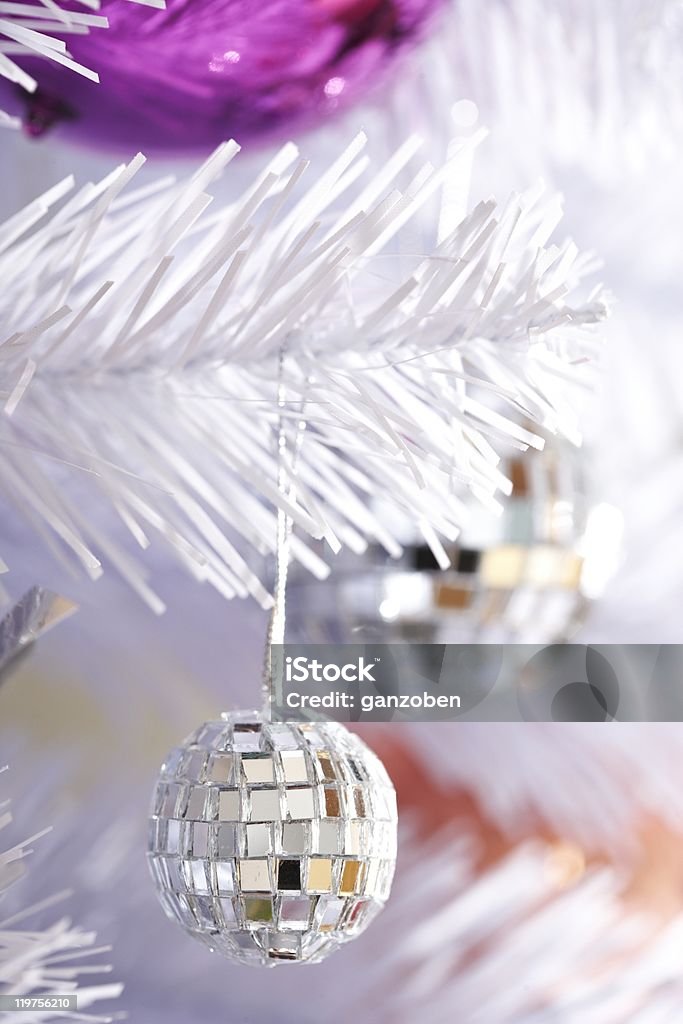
[[184, 79]]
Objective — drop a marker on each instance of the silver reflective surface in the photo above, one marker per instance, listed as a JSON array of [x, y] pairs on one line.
[[272, 842], [525, 574]]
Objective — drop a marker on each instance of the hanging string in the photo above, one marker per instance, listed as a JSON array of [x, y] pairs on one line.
[[275, 633]]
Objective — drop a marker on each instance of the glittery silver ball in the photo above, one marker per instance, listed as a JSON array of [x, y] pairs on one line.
[[526, 575], [271, 842]]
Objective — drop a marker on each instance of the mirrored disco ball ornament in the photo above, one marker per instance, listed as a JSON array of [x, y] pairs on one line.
[[188, 77], [526, 575], [272, 843]]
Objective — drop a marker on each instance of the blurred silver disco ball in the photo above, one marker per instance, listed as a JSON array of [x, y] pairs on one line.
[[524, 576]]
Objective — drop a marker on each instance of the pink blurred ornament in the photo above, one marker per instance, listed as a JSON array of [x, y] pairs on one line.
[[185, 78]]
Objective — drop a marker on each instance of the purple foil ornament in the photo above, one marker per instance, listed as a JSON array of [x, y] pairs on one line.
[[184, 79]]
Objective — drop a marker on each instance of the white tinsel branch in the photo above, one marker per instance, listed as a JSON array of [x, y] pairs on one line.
[[41, 28], [586, 772], [142, 331], [536, 938], [592, 83], [49, 961]]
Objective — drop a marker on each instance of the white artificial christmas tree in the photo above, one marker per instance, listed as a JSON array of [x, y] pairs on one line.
[[144, 328], [586, 94]]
